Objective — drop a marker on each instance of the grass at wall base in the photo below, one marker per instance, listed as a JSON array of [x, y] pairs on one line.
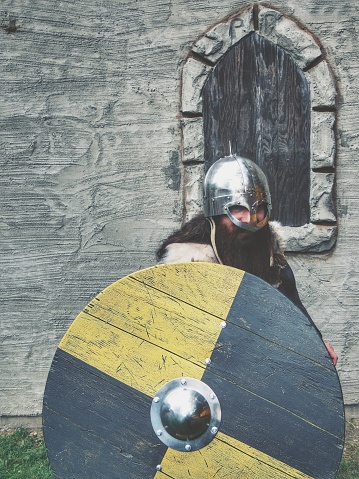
[[23, 454]]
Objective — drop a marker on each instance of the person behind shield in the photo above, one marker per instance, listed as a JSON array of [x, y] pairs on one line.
[[234, 229]]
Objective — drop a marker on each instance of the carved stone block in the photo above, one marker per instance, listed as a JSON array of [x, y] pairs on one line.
[[277, 28], [322, 88], [194, 75], [192, 137], [308, 238], [193, 181], [214, 44], [323, 139], [321, 197]]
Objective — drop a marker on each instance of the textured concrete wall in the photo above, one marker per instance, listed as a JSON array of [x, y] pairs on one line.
[[91, 174]]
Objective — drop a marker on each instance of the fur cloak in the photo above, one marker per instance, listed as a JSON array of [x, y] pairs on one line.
[[189, 252]]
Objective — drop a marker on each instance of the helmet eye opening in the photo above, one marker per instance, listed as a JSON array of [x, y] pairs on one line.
[[237, 207], [261, 212], [258, 209]]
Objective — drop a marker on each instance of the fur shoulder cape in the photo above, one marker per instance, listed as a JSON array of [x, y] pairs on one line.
[[189, 252]]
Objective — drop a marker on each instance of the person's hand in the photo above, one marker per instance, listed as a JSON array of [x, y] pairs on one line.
[[331, 352]]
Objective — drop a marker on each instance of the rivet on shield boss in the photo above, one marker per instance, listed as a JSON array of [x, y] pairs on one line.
[[179, 371]]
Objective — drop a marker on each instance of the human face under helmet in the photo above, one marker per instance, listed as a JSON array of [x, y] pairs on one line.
[[235, 181]]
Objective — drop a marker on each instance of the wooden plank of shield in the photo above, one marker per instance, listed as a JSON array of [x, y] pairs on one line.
[[279, 394]]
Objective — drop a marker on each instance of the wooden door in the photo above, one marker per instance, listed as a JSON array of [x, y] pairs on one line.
[[258, 101]]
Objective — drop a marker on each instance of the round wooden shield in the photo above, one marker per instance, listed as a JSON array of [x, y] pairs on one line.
[[279, 394]]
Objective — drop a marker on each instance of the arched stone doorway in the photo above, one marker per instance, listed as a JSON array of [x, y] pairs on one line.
[[313, 228]]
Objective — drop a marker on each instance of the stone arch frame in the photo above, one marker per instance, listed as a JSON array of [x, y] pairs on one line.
[[320, 234]]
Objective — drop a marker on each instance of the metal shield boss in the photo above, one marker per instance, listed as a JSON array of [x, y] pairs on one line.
[[185, 414]]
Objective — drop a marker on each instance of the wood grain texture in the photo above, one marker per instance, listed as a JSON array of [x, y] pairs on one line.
[[257, 100], [282, 409], [138, 329], [223, 458], [95, 426]]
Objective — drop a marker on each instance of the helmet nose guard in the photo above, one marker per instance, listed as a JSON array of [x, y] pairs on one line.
[[234, 180]]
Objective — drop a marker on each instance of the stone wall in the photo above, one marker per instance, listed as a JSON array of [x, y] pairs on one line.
[[92, 175]]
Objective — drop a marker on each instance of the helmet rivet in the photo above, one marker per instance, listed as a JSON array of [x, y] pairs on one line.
[[183, 382], [159, 432], [223, 324], [188, 447], [214, 430], [156, 399], [158, 467], [208, 361]]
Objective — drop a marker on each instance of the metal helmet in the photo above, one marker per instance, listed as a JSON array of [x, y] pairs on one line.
[[234, 180]]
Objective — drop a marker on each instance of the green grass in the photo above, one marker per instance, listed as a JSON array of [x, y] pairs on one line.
[[23, 455], [349, 466]]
